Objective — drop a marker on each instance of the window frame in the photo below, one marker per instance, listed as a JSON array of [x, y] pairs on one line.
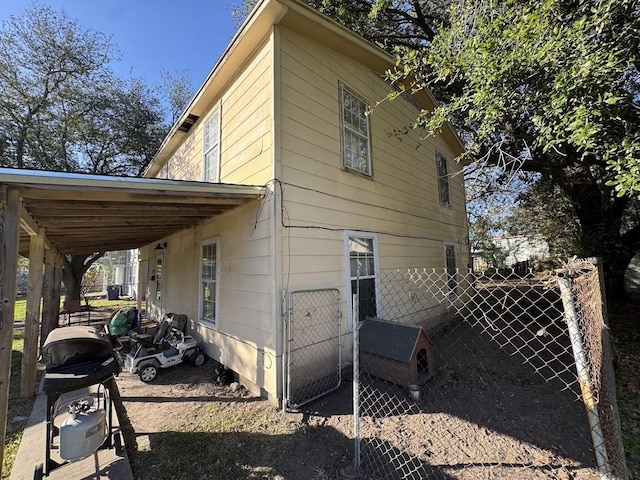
[[344, 128], [159, 278], [451, 277], [202, 320], [443, 179], [214, 115], [349, 234]]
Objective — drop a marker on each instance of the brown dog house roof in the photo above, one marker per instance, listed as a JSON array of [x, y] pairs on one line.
[[402, 354]]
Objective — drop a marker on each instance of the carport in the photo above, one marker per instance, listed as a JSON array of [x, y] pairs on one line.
[[45, 215]]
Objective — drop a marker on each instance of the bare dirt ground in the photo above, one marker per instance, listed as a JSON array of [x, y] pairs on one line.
[[184, 425]]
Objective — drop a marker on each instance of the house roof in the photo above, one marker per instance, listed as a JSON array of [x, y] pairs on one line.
[[301, 18], [84, 213]]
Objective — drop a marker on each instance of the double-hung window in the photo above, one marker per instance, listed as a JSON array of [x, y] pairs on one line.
[[443, 180], [451, 269], [355, 132], [211, 148], [209, 274]]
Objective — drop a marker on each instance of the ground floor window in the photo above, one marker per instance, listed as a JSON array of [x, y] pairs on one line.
[[159, 277], [451, 269], [209, 274]]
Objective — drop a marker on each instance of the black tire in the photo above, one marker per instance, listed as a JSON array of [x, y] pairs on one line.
[[117, 444], [38, 473], [197, 358], [148, 373]]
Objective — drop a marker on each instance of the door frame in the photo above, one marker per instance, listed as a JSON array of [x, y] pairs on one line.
[[347, 269]]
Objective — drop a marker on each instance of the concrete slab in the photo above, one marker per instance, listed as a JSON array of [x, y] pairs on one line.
[[111, 464]]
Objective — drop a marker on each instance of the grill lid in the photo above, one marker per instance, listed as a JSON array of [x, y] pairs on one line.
[[70, 347]]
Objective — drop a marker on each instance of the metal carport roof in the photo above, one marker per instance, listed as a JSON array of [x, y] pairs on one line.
[[82, 213]]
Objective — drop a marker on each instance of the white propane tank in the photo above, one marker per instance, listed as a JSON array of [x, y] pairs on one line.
[[82, 434]]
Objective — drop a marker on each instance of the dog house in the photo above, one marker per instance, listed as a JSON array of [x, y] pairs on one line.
[[401, 354]]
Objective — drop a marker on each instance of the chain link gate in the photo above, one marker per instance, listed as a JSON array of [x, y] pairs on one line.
[[313, 358]]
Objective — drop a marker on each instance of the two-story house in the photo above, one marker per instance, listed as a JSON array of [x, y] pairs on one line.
[[293, 105]]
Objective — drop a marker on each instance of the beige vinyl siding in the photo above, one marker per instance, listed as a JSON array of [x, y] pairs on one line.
[[245, 128], [246, 122], [245, 309], [404, 173]]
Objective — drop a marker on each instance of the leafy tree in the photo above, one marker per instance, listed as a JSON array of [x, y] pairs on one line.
[[45, 61], [550, 88], [63, 109], [547, 87], [177, 89], [543, 209]]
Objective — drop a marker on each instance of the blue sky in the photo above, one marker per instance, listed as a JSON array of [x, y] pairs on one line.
[[151, 34]]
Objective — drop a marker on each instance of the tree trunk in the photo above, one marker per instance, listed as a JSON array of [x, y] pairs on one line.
[[600, 214], [74, 268]]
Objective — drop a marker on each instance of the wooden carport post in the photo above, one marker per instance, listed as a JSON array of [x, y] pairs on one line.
[[50, 293], [9, 238], [32, 318]]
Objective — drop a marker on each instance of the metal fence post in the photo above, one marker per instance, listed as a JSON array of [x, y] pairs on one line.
[[356, 381], [584, 378]]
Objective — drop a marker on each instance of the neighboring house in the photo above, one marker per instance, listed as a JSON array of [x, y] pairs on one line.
[[287, 107], [121, 271], [522, 248]]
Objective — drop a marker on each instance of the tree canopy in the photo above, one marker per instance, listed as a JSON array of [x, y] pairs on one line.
[[549, 89], [62, 108]]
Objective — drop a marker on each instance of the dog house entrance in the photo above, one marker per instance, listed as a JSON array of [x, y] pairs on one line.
[[401, 354]]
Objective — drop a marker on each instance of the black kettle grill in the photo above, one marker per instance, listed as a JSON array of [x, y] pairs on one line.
[[76, 357]]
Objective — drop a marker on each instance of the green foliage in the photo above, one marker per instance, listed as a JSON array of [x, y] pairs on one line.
[[481, 235], [557, 82], [543, 209], [62, 108]]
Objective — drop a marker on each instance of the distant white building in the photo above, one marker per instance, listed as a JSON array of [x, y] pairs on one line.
[[122, 271], [520, 248]]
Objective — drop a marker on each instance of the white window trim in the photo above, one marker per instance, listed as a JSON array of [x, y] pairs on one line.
[[216, 113], [158, 301], [205, 322], [446, 178], [343, 162], [451, 293], [347, 271]]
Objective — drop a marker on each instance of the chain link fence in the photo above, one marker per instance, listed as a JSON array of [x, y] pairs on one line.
[[313, 358], [493, 391]]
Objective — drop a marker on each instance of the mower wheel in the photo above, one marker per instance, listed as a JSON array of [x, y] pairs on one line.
[[197, 358], [148, 372]]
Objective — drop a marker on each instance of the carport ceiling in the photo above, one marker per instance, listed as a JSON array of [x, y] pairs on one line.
[[83, 214]]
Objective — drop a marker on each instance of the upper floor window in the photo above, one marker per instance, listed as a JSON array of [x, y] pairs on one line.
[[355, 132], [443, 180], [211, 148]]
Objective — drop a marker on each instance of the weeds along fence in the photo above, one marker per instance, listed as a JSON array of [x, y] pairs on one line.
[[499, 388]]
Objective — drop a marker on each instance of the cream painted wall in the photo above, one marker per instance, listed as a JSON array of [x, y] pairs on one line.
[[245, 136], [245, 337], [402, 196]]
